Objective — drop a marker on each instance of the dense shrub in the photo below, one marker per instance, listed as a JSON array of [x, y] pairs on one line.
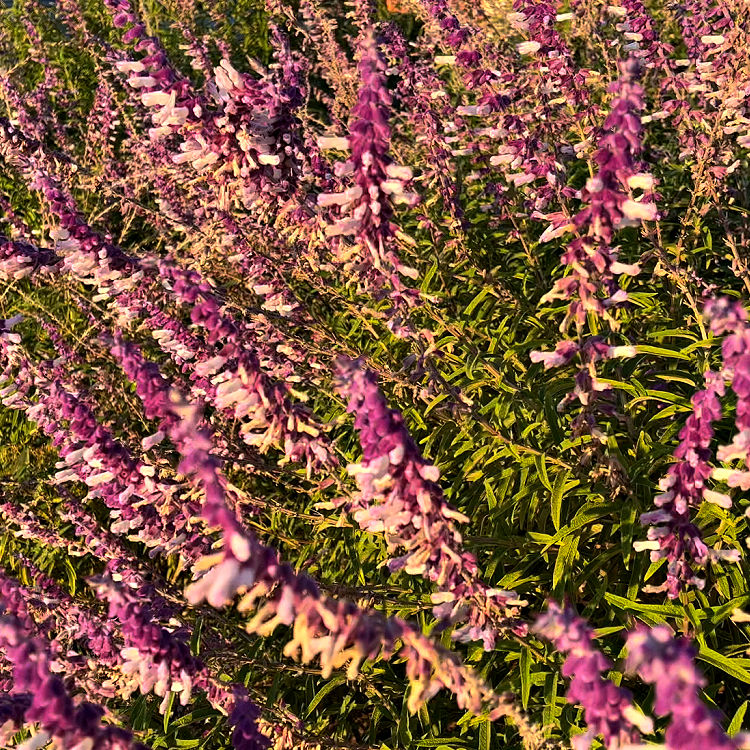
[[374, 376]]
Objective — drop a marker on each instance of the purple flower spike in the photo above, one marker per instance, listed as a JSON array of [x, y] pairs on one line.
[[608, 709], [160, 659], [399, 496], [72, 725], [667, 663], [336, 632], [366, 208], [609, 203], [672, 534]]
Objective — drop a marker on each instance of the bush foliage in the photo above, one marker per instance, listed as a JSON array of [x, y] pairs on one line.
[[374, 376]]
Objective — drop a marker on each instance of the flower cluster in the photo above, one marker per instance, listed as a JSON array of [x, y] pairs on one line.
[[672, 534], [225, 231], [592, 287], [608, 709], [399, 495], [667, 664], [537, 21], [377, 184], [334, 631], [48, 702], [159, 659], [609, 203]]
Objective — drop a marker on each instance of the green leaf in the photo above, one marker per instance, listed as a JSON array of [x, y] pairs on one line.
[[557, 496], [485, 735], [565, 559], [168, 712], [195, 640], [72, 575], [491, 498], [736, 724], [661, 351], [429, 275], [541, 467], [525, 667], [140, 713], [435, 402], [403, 730], [732, 667], [550, 699], [587, 514], [332, 684], [473, 304], [441, 742], [198, 715], [661, 610]]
